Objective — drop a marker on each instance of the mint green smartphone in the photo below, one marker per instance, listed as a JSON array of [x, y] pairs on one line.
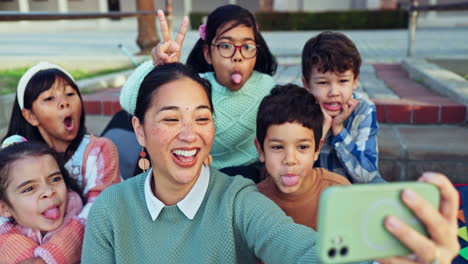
[[351, 220]]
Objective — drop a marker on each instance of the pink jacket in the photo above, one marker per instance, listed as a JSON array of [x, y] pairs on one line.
[[99, 170]]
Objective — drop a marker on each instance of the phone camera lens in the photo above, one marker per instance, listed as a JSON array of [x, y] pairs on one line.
[[332, 252], [338, 240], [344, 251]]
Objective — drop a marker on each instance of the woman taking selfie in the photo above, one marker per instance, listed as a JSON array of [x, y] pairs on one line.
[[181, 211]]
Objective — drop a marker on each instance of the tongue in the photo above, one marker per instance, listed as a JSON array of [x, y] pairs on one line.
[[289, 180], [52, 214], [236, 78], [69, 124], [332, 107]]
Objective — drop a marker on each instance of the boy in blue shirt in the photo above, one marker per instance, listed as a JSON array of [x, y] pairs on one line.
[[330, 71]]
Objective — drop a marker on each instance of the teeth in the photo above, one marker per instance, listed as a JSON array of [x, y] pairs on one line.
[[185, 153]]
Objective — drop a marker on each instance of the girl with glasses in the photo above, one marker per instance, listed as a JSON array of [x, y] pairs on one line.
[[233, 56]]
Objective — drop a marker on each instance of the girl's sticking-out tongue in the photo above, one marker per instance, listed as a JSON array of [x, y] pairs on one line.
[[236, 78], [52, 213]]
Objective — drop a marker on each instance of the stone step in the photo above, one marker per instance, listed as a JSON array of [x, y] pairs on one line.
[[406, 151]]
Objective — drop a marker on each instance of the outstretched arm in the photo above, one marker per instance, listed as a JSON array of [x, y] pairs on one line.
[[168, 50], [266, 229]]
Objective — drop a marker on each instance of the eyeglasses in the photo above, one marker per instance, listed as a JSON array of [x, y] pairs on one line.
[[227, 50]]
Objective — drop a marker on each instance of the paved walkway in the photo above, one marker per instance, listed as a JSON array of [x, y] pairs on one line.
[[89, 47]]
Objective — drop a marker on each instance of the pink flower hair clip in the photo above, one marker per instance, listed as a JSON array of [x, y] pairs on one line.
[[202, 31]]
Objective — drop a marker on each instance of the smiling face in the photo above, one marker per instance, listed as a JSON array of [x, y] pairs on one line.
[[235, 71], [36, 193], [331, 90], [56, 113], [178, 133], [289, 153]]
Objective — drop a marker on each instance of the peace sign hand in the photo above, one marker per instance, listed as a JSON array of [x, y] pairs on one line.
[[168, 50]]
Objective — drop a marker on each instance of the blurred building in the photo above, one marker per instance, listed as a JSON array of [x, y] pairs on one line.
[[184, 7]]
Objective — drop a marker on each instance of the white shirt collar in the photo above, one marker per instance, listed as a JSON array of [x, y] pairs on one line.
[[191, 202]]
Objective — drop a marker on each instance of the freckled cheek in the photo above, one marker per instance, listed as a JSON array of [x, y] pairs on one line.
[[162, 134], [207, 133]]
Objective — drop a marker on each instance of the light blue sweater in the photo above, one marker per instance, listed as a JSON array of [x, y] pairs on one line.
[[234, 224], [235, 119]]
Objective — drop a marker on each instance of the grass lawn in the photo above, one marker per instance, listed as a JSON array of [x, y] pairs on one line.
[[9, 78]]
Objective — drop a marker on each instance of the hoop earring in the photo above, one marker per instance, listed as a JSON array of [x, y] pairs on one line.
[[143, 162]]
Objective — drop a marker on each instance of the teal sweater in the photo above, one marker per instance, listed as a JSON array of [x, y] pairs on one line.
[[234, 224], [235, 119]]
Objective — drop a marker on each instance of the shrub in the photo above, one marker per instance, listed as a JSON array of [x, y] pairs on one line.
[[337, 20], [196, 19]]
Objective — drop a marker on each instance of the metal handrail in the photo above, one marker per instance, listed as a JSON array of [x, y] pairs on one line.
[[16, 16], [413, 11]]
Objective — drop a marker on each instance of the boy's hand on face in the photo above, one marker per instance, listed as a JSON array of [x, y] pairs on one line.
[[327, 122], [338, 121], [168, 50]]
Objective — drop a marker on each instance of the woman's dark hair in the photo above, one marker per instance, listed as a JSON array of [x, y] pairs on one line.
[[40, 82], [159, 76], [266, 62], [18, 151]]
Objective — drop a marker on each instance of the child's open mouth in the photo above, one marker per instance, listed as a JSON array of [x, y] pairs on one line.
[[69, 124], [332, 106], [236, 77], [52, 213], [289, 180], [185, 158]]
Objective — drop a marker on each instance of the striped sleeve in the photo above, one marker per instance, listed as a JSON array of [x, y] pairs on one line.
[[101, 169], [14, 246]]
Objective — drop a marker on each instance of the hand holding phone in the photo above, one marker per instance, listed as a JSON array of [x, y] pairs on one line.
[[351, 220]]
